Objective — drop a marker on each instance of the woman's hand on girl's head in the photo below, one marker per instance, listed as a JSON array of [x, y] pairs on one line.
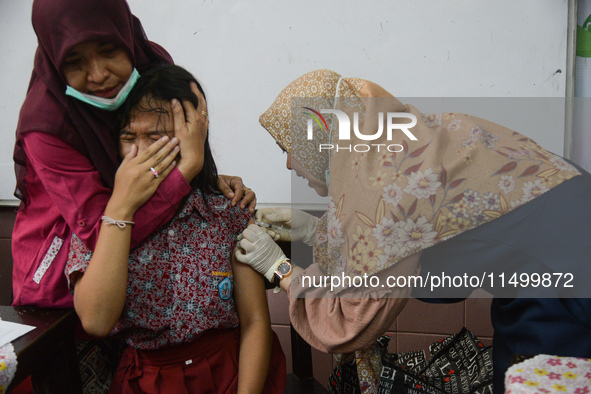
[[139, 175], [191, 132]]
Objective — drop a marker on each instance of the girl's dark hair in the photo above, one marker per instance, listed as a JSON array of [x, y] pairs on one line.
[[162, 83]]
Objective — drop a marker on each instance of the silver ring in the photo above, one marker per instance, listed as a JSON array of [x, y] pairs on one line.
[[154, 172]]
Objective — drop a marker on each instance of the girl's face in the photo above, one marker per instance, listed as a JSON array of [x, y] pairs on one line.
[[100, 69], [145, 128], [315, 183]]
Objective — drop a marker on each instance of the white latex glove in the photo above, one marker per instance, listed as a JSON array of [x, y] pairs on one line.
[[295, 224], [259, 251]]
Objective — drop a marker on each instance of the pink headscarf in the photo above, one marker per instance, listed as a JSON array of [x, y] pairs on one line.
[[60, 25]]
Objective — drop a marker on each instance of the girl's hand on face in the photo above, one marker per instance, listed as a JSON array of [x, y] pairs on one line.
[[135, 181], [191, 132]]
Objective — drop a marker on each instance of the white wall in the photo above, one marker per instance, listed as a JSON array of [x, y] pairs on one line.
[[245, 52]]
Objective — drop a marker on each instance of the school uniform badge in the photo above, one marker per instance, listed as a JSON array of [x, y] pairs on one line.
[[225, 289]]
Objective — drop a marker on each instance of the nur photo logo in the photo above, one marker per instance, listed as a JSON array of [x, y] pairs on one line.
[[392, 124]]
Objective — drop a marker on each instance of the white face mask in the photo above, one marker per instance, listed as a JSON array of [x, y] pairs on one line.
[[108, 104]]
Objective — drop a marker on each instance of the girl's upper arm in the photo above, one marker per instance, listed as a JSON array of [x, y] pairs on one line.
[[76, 188], [249, 292]]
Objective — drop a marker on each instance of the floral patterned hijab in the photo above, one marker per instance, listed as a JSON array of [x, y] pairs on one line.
[[459, 173]]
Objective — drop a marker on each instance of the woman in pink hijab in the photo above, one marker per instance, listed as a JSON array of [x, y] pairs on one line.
[[89, 55]]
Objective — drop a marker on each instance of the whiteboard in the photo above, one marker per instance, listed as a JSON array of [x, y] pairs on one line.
[[246, 51]]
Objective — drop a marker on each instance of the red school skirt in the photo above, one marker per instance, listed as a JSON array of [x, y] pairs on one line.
[[207, 365]]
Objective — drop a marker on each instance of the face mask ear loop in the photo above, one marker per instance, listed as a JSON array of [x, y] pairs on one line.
[[336, 98]]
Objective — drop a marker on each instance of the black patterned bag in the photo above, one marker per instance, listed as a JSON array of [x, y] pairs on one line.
[[459, 364]]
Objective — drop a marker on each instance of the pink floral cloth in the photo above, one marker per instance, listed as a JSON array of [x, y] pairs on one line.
[[180, 279], [7, 366], [550, 374]]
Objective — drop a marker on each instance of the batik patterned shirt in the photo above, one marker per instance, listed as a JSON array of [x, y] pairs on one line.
[[180, 278]]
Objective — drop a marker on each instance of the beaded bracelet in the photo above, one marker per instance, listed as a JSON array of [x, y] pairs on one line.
[[118, 223]]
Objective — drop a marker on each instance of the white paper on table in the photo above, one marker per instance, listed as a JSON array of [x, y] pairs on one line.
[[10, 331]]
